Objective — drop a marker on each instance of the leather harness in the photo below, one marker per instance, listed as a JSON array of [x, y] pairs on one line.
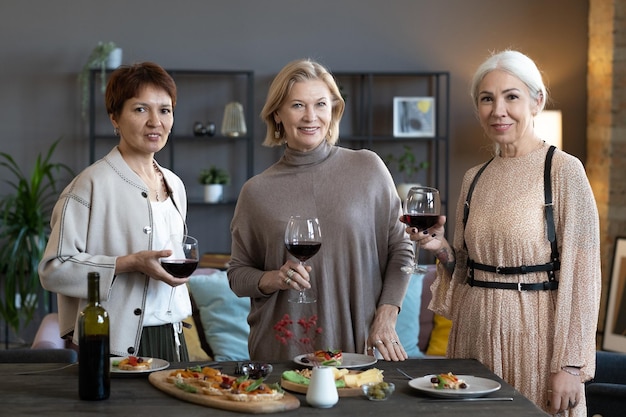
[[550, 267]]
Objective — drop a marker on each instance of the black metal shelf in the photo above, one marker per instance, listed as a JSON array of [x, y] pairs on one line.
[[368, 119]]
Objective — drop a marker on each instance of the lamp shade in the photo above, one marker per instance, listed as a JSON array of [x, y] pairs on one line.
[[548, 126]]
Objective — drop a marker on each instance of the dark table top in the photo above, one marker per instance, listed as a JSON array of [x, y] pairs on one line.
[[27, 391]]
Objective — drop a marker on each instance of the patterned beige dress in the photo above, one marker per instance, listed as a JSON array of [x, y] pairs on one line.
[[523, 337]]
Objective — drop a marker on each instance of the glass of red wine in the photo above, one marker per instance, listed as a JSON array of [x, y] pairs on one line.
[[182, 262], [422, 208], [303, 239]]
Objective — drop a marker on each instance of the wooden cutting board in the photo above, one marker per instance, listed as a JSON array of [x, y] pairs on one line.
[[288, 402], [301, 388]]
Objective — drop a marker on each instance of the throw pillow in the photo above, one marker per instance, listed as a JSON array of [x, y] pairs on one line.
[[438, 344], [192, 340], [408, 324], [224, 315]]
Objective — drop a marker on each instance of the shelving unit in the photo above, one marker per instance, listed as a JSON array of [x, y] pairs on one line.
[[202, 96], [368, 119]]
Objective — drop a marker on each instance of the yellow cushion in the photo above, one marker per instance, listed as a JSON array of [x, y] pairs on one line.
[[438, 343], [196, 353]]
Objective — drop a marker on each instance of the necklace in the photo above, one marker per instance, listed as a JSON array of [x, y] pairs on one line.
[[161, 184]]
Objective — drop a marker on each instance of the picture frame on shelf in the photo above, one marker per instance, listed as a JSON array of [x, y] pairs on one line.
[[414, 117], [615, 320]]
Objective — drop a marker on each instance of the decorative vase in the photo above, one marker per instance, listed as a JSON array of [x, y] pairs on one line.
[[115, 59], [213, 193], [322, 391], [234, 121]]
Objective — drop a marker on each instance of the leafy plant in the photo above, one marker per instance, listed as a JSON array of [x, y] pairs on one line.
[[24, 231], [97, 59], [214, 175], [406, 164]]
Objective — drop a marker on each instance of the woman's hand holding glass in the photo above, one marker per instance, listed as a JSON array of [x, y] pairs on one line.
[[182, 262], [421, 210], [303, 239]]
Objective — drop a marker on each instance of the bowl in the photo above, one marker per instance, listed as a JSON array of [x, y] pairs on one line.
[[378, 391], [256, 370]]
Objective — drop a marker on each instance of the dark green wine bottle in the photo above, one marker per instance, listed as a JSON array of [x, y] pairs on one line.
[[94, 373]]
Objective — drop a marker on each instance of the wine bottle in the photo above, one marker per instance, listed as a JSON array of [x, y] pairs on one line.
[[94, 374]]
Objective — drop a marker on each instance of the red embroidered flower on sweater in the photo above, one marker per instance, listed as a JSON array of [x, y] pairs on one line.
[[309, 331]]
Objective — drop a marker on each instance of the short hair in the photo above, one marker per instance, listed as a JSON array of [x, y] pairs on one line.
[[518, 65], [127, 80], [296, 71]]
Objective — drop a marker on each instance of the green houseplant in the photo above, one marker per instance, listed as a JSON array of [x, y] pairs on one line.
[[97, 59], [407, 165], [214, 179], [24, 230]]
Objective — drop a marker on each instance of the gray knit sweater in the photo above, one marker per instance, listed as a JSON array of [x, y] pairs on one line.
[[358, 267]]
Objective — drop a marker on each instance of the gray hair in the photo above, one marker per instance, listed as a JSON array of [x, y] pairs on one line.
[[518, 65]]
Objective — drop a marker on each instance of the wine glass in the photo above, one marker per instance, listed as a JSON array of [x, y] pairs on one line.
[[303, 239], [421, 210], [182, 262]]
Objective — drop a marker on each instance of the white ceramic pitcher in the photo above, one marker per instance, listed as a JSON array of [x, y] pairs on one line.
[[322, 391]]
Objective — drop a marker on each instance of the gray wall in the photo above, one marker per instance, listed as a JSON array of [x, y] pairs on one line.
[[44, 44]]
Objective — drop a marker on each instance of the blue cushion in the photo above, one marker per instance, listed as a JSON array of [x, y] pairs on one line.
[[224, 315], [408, 324]]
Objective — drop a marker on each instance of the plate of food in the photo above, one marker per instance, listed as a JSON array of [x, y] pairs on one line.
[[209, 387], [335, 358], [449, 385], [137, 365], [349, 382]]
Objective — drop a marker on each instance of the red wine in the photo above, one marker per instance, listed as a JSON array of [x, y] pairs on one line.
[[421, 221], [94, 377], [180, 268], [303, 251], [93, 367]]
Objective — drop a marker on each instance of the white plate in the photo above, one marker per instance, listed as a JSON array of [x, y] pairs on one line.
[[157, 365], [477, 387], [349, 360]]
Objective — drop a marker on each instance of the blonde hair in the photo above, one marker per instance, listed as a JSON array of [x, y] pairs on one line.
[[296, 71]]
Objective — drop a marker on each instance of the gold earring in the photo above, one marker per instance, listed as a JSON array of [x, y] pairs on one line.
[[277, 131]]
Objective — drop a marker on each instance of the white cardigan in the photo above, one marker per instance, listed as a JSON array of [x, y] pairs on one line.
[[105, 212]]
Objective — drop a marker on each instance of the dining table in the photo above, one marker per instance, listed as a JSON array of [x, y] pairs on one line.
[[51, 389]]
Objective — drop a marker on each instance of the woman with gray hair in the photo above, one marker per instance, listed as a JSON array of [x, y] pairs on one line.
[[357, 273], [521, 282]]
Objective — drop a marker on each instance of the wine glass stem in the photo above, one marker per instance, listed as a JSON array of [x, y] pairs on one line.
[[169, 305], [301, 296], [416, 260]]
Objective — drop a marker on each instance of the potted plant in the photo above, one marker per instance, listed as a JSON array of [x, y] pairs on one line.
[[214, 180], [407, 166], [24, 230], [99, 59]]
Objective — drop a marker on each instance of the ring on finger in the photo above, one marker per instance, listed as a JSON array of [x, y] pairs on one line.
[[378, 342], [287, 280], [290, 273]]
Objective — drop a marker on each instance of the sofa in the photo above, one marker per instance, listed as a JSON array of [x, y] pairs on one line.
[[606, 393], [47, 346]]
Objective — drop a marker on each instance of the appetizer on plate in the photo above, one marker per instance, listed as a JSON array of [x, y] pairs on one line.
[[448, 381], [133, 363]]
